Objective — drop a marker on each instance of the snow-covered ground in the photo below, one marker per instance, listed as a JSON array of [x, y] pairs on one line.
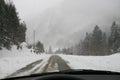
[[11, 61], [108, 63]]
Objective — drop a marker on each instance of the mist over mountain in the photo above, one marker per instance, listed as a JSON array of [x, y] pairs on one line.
[[67, 23]]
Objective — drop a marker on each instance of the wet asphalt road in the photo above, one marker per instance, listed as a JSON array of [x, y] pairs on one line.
[[54, 63]]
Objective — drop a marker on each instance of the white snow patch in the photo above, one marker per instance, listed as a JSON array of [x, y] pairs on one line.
[[11, 61], [108, 63]]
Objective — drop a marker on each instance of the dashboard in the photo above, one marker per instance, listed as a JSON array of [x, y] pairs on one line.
[[71, 77]]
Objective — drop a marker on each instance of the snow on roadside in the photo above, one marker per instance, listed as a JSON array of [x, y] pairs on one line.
[[11, 61], [108, 63]]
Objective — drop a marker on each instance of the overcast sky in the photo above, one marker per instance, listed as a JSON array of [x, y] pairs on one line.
[[29, 8], [68, 16]]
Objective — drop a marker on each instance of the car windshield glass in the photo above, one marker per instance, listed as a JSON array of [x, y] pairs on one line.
[[41, 36]]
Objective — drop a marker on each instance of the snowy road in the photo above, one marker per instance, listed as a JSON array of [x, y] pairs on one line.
[[50, 63], [54, 63]]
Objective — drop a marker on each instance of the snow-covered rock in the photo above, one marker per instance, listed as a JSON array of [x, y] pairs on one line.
[[23, 45]]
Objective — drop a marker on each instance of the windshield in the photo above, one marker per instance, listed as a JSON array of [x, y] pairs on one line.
[[40, 36]]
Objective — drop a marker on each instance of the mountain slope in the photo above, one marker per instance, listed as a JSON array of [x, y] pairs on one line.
[[67, 23]]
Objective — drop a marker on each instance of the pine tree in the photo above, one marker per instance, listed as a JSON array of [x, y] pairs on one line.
[[105, 47], [95, 43], [39, 47], [4, 39], [86, 45], [97, 40], [114, 39], [11, 30], [21, 33]]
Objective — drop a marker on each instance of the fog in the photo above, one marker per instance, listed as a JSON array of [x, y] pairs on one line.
[[62, 23]]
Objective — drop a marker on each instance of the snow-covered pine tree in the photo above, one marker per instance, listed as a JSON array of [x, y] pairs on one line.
[[11, 30]]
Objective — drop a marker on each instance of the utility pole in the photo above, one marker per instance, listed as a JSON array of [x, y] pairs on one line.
[[34, 38], [50, 50]]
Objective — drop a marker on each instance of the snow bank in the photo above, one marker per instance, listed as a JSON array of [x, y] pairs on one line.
[[11, 61], [108, 63]]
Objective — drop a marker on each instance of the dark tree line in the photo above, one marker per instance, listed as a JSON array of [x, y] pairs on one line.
[[64, 51], [12, 31], [38, 47], [97, 42], [114, 39]]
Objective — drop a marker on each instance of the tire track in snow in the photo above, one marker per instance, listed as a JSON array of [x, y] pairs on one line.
[[25, 69], [55, 63]]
